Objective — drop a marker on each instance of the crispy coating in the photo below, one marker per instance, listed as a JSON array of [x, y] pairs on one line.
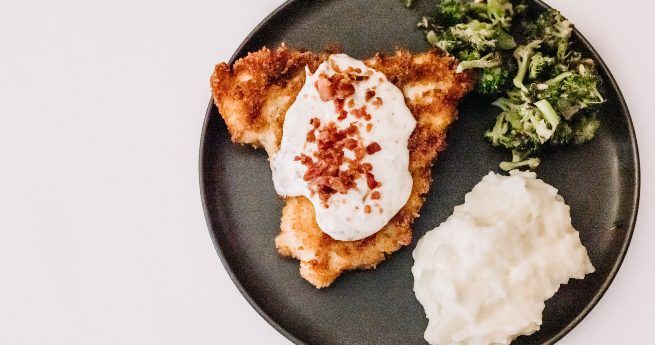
[[253, 97]]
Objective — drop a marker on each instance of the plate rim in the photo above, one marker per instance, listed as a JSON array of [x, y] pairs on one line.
[[559, 335]]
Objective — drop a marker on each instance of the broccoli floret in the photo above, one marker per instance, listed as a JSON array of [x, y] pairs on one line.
[[500, 12], [472, 36], [523, 55], [523, 129], [478, 35], [577, 132], [487, 61], [571, 91], [498, 131], [539, 65], [452, 11], [585, 129], [518, 162], [493, 80], [468, 55], [535, 122], [504, 41], [578, 92], [554, 30], [514, 129]]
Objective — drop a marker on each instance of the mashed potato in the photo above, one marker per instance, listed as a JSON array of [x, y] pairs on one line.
[[483, 275]]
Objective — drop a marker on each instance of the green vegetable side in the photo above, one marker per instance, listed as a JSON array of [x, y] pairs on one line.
[[549, 94]]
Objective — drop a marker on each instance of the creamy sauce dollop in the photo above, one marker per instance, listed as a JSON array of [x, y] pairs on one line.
[[354, 214], [483, 275]]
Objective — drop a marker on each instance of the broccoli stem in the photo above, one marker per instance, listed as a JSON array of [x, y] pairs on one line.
[[549, 112], [523, 55], [558, 79], [532, 163], [518, 162], [487, 61]]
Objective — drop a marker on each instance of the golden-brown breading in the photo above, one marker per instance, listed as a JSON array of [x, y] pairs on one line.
[[253, 97]]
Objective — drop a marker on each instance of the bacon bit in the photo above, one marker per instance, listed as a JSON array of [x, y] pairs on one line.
[[359, 112], [351, 70], [324, 173], [351, 144], [375, 195], [338, 106], [381, 80], [351, 103], [324, 88], [367, 209], [367, 117], [352, 129], [360, 152], [311, 137], [315, 122], [372, 148], [369, 126], [370, 93], [371, 182], [342, 115], [377, 101]]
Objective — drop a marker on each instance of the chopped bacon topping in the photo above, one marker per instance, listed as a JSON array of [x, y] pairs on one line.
[[329, 171], [360, 112], [335, 87], [370, 93], [372, 148], [371, 182], [324, 173]]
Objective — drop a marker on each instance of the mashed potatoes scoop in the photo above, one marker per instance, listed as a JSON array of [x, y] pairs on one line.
[[483, 275]]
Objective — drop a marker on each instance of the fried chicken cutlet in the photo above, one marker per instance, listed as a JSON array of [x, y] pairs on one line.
[[253, 96]]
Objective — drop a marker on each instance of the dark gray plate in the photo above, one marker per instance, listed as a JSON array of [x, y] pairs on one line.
[[600, 181]]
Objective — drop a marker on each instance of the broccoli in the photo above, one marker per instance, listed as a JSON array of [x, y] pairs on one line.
[[489, 60], [571, 91], [493, 80], [578, 92], [554, 30], [577, 132], [519, 162], [523, 55], [585, 129], [500, 12], [453, 11], [523, 128], [504, 41], [539, 65], [515, 129], [475, 34], [468, 55]]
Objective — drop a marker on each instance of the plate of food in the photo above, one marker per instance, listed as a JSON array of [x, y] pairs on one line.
[[411, 172]]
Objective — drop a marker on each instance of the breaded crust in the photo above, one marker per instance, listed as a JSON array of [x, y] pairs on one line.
[[253, 97]]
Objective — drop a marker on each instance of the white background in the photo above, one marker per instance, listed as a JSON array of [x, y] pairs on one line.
[[102, 237]]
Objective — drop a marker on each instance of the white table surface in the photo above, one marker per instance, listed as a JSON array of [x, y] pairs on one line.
[[102, 236]]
